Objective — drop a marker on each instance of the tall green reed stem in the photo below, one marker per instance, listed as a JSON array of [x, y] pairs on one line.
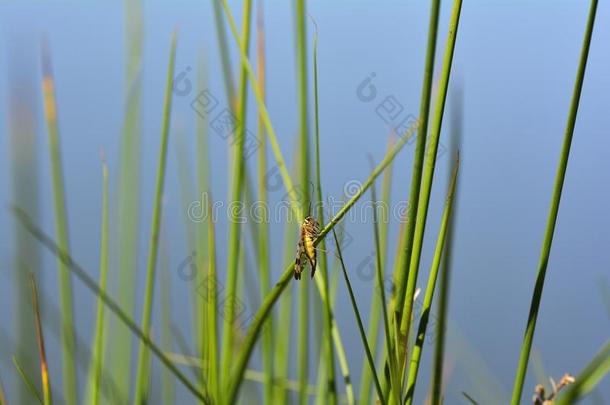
[[554, 210], [143, 358], [263, 227], [328, 344], [61, 229], [98, 342], [301, 63], [428, 175], [420, 149], [436, 262], [236, 195]]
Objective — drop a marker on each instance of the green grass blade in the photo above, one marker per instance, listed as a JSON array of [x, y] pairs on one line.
[[143, 358], [588, 378], [329, 357], [44, 368], [427, 306], [553, 211], [212, 312], [428, 175], [263, 227], [98, 341], [236, 195], [112, 305], [443, 299], [394, 384], [264, 115], [420, 148], [367, 349], [224, 52], [129, 180], [203, 181], [167, 383], [304, 326], [61, 230], [27, 381]]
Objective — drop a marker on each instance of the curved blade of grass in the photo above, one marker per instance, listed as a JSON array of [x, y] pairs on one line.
[[276, 291], [443, 299], [61, 230], [44, 369], [143, 358], [367, 349], [28, 383], [329, 354], [436, 262], [264, 115], [3, 400], [588, 378], [263, 227], [553, 211], [83, 276], [428, 175], [301, 63], [236, 195], [420, 148], [98, 341]]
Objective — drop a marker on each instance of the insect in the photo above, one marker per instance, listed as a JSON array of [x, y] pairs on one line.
[[310, 229]]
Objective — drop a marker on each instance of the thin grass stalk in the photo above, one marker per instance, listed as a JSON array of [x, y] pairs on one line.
[[394, 383], [420, 149], [167, 383], [263, 227], [224, 52], [203, 173], [236, 195], [427, 306], [27, 381], [301, 63], [588, 378], [61, 229], [114, 307], [264, 115], [553, 211], [367, 349], [44, 369], [328, 347], [213, 375], [98, 342], [377, 305], [121, 363], [428, 175], [271, 298], [143, 358], [436, 395]]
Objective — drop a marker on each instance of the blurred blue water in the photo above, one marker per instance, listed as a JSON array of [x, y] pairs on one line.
[[515, 62]]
